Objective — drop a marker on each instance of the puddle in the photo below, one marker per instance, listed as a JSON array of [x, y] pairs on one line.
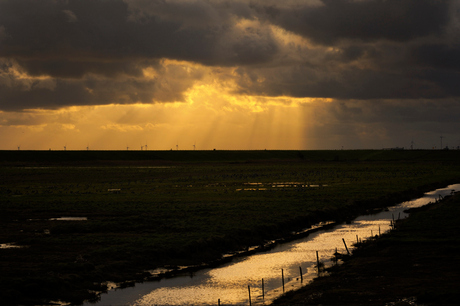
[[279, 185], [69, 219], [159, 271], [10, 246], [114, 190], [62, 219]]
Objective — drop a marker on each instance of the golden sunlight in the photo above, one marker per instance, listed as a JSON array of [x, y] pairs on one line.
[[211, 118]]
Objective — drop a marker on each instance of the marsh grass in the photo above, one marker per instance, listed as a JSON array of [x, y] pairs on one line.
[[190, 209]]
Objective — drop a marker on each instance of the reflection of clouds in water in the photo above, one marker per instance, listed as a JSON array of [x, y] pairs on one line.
[[420, 202], [200, 295], [358, 225], [257, 266], [431, 196]]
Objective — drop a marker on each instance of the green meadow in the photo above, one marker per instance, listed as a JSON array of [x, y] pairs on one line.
[[149, 209]]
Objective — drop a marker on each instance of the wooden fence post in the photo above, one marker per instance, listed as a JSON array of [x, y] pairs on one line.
[[317, 261], [263, 289], [346, 246], [282, 277], [249, 290]]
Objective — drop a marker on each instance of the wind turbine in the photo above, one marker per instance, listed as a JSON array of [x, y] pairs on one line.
[[65, 147], [19, 147], [194, 146]]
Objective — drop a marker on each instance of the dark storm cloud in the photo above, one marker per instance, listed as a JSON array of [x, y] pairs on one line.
[[385, 123], [73, 39], [437, 56], [368, 20], [86, 31], [387, 111], [373, 49], [350, 83], [68, 93], [21, 93], [95, 51], [77, 68]]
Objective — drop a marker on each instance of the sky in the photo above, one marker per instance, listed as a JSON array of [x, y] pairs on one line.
[[229, 74]]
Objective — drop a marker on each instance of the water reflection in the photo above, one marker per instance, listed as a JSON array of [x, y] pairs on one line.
[[279, 185], [229, 283], [10, 246], [69, 219]]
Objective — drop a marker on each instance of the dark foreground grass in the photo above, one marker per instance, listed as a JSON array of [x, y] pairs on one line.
[[417, 264], [146, 210]]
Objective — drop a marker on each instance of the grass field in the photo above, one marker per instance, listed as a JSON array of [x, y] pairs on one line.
[[147, 209]]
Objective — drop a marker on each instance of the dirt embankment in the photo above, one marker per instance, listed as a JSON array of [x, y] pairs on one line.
[[417, 264]]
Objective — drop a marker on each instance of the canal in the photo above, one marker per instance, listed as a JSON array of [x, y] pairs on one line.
[[260, 278]]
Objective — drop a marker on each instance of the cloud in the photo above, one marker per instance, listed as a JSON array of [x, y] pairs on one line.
[[57, 53], [71, 17], [96, 52], [371, 20], [378, 124], [59, 34], [3, 34], [170, 81]]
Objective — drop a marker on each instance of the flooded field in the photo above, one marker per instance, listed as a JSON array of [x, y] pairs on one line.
[[86, 218], [286, 267]]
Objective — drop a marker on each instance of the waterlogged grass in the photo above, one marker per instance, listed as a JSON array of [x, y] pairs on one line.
[[190, 209]]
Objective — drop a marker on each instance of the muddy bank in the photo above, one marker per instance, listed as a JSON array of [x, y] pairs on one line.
[[417, 264]]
